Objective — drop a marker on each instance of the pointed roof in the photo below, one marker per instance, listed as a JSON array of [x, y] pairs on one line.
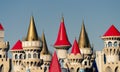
[[44, 47], [112, 31], [32, 32], [75, 48], [54, 66], [83, 38], [17, 46], [1, 27], [62, 38]]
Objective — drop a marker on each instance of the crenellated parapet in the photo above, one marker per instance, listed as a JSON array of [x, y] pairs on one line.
[[4, 45], [31, 44]]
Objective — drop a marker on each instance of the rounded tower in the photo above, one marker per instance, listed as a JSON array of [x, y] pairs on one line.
[[86, 49], [111, 40], [32, 46], [75, 58], [17, 57], [62, 43], [45, 54]]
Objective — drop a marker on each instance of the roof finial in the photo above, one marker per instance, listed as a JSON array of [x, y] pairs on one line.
[[32, 32], [62, 20]]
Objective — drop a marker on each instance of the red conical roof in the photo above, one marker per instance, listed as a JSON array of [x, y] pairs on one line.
[[75, 48], [1, 27], [62, 39], [112, 31], [17, 46], [54, 66]]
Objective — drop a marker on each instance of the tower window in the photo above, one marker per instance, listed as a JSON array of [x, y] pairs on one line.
[[29, 55], [34, 55], [16, 57], [85, 62], [115, 44], [20, 56], [109, 44], [0, 56]]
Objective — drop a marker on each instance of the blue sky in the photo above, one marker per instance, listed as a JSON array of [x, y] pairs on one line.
[[98, 17]]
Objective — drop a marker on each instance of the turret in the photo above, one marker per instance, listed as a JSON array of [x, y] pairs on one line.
[[85, 47], [45, 54], [32, 46], [75, 58], [84, 43], [62, 43], [111, 40], [17, 56]]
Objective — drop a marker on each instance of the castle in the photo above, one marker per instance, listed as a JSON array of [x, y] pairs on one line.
[[32, 53]]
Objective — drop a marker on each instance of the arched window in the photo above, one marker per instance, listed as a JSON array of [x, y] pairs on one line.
[[28, 70], [34, 55], [116, 69], [1, 68], [115, 44], [38, 55], [108, 69], [109, 44], [0, 56], [78, 70], [16, 56], [29, 55], [85, 63], [4, 56], [104, 59], [25, 56], [20, 56], [72, 70]]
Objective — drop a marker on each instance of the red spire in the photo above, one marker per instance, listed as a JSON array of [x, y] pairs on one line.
[[1, 27], [75, 48], [17, 46], [112, 31], [54, 66], [62, 39]]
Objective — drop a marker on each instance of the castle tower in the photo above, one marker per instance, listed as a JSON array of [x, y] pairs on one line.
[[75, 58], [17, 57], [108, 60], [111, 44], [62, 43], [54, 65], [85, 47], [45, 54], [83, 41], [32, 46], [4, 47]]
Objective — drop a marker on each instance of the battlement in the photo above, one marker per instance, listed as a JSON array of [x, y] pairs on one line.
[[86, 50], [4, 60], [32, 62], [45, 57], [111, 51], [4, 44], [31, 44], [75, 58], [37, 69]]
